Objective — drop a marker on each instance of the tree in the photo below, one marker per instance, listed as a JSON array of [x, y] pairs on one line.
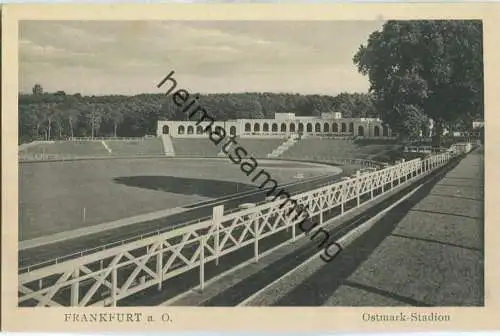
[[49, 113], [434, 67], [114, 114], [412, 120], [72, 114], [93, 114], [30, 119], [249, 107]]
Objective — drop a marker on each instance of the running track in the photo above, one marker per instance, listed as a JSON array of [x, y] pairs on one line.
[[48, 252]]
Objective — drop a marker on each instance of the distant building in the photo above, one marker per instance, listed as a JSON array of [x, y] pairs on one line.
[[37, 89], [283, 125]]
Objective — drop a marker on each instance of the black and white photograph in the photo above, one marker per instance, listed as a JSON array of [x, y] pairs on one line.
[[251, 163], [249, 167]]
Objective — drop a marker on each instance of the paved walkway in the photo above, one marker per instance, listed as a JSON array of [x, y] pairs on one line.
[[434, 255], [429, 252], [426, 252]]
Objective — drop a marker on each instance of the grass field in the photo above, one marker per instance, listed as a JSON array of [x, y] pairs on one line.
[[52, 195]]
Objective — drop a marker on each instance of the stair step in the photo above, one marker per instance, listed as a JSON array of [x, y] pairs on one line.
[[168, 147], [290, 142]]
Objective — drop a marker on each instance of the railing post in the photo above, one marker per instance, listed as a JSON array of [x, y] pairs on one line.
[[75, 295], [321, 203], [202, 263], [342, 198], [371, 186], [256, 230], [159, 266], [393, 173], [358, 187], [114, 285], [217, 214]]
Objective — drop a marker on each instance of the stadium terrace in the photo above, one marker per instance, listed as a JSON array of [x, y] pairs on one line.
[[205, 123], [284, 125]]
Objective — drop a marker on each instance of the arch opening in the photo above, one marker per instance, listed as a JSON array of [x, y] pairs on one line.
[[385, 131]]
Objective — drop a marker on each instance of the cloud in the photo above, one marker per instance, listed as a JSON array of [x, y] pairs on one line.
[[127, 56]]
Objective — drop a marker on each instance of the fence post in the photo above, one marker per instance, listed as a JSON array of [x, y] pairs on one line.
[[393, 173], [159, 265], [75, 295], [217, 214], [256, 230], [358, 187], [342, 198], [202, 263], [321, 203], [114, 285], [371, 185]]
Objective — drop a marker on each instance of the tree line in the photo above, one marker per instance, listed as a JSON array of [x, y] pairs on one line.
[[53, 116]]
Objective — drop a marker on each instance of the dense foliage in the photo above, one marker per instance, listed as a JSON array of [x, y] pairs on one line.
[[425, 69], [53, 116]]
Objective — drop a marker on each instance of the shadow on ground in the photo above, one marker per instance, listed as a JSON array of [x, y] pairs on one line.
[[185, 186], [320, 286]]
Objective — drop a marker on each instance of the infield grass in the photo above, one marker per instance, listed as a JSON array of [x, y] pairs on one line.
[[53, 195]]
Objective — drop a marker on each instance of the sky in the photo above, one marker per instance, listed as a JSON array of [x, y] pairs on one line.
[[131, 57]]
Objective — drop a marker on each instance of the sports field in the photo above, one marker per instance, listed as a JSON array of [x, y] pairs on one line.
[[53, 196]]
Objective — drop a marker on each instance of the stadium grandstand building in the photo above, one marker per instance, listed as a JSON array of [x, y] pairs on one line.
[[283, 125]]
